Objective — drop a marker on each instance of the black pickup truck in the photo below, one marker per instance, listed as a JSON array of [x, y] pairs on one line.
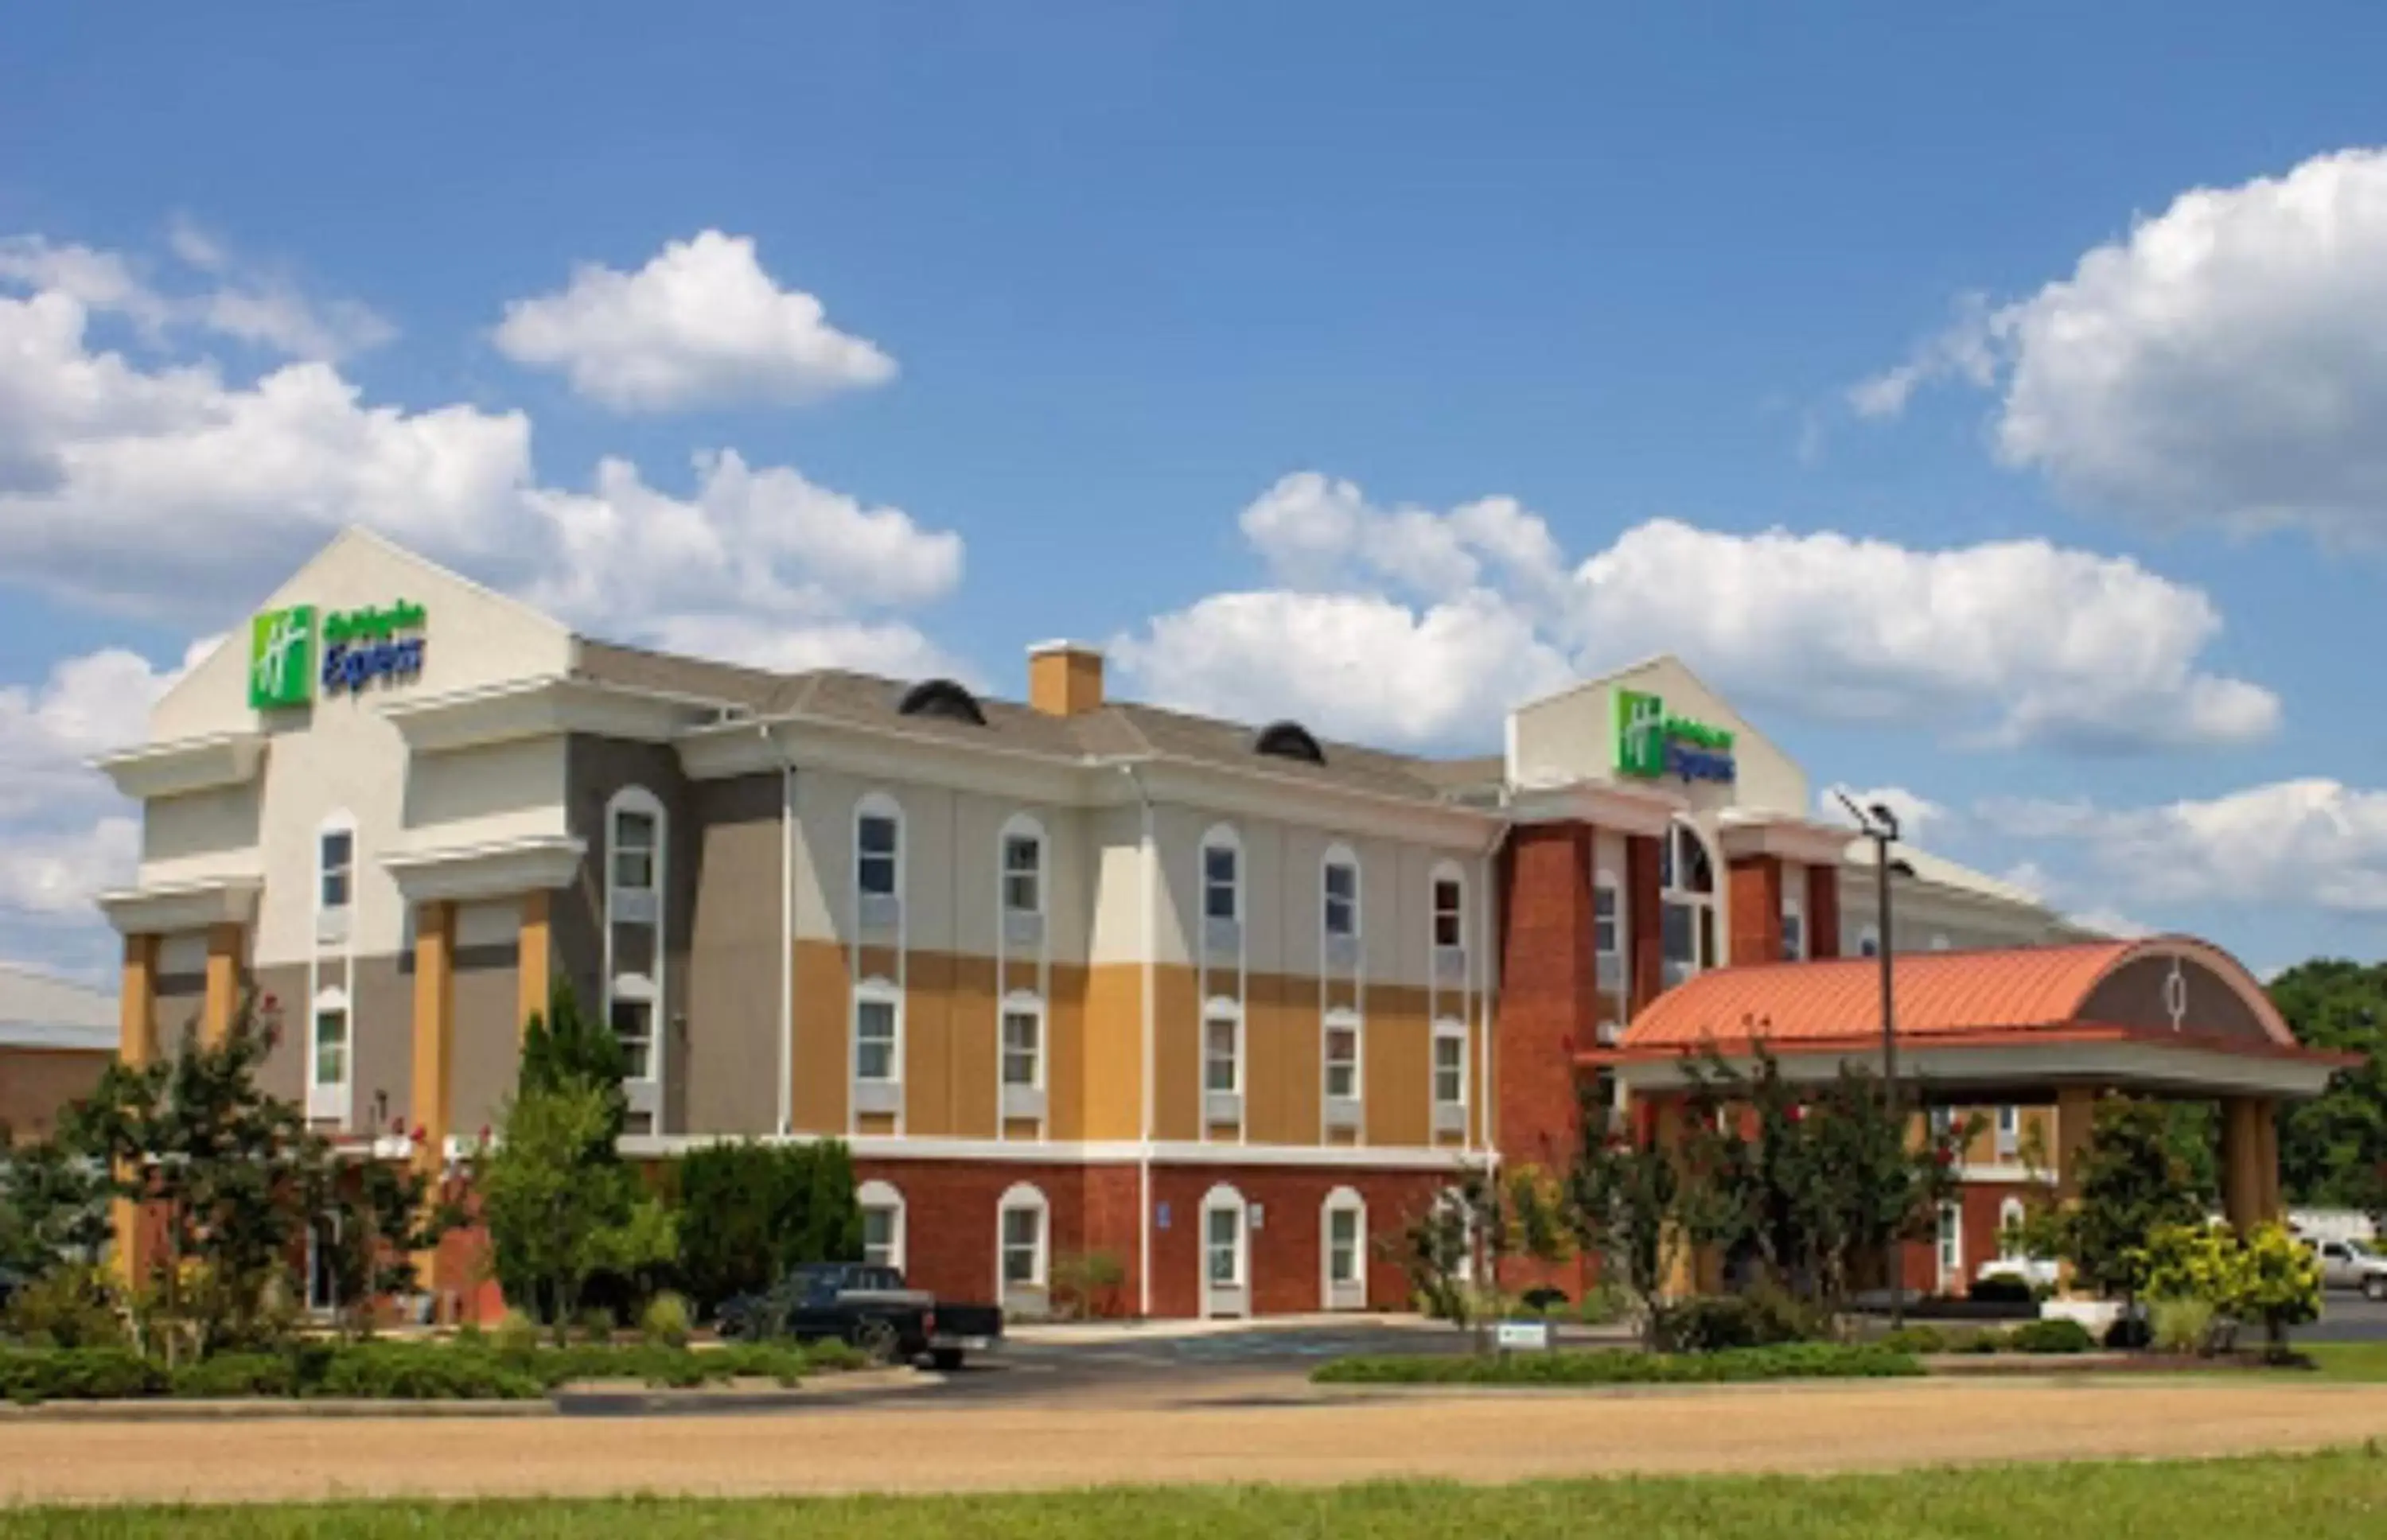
[[868, 1307]]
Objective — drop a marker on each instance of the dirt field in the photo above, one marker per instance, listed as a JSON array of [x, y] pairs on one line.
[[915, 1445]]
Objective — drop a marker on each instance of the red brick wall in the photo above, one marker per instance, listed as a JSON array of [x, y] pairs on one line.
[[1823, 910], [1755, 911], [1548, 1005], [1642, 920]]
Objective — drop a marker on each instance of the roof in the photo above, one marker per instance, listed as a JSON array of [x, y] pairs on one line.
[[1115, 729], [1940, 872], [40, 1011], [1952, 995]]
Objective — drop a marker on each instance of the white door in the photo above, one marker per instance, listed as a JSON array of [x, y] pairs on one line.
[[1226, 1254]]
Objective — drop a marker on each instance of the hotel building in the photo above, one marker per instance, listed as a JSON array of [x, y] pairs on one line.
[[1223, 1000]]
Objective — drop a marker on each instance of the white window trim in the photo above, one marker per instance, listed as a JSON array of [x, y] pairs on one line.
[[1951, 1267], [1453, 1031], [1019, 824], [645, 1092], [887, 1196], [874, 990], [1223, 836], [340, 822], [1024, 1197], [1793, 910], [1341, 1200], [1216, 1008], [1235, 1296], [1022, 1003], [1711, 902], [2010, 1214], [877, 804], [1339, 854], [1868, 935], [1604, 881], [332, 1099], [1343, 1017]]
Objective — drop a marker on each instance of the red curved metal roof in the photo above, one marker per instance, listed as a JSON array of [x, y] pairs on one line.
[[1937, 993]]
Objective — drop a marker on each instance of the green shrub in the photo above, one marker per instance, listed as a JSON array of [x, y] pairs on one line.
[[1617, 1367], [234, 1374], [2183, 1325], [833, 1357], [516, 1336], [1087, 1284], [2001, 1289], [1915, 1339], [68, 1306], [2050, 1336], [78, 1374], [750, 1212], [1719, 1323], [666, 1320], [423, 1372]]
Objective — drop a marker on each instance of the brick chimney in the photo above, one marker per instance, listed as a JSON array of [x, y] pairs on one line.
[[1064, 678]]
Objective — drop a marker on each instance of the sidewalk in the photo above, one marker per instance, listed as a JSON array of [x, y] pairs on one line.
[[1055, 1333]]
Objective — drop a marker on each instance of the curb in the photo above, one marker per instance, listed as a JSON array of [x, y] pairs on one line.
[[260, 1409]]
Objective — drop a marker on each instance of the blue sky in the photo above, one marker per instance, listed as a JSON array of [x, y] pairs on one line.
[[2101, 585]]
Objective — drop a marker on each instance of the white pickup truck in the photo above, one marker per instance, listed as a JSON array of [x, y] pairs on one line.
[[2350, 1264]]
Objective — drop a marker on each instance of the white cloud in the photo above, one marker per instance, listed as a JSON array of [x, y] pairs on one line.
[[2110, 922], [2310, 842], [2021, 641], [178, 494], [57, 875], [701, 324], [1423, 626], [2220, 363], [265, 310], [1915, 813]]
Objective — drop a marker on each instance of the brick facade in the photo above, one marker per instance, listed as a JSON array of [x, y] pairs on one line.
[[1756, 904], [1548, 1004], [1823, 910]]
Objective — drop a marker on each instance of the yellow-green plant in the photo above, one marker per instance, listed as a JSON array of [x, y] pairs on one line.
[[2278, 1283]]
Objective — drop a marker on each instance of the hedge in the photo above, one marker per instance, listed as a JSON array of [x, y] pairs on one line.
[[2036, 1336], [460, 1370], [1619, 1367]]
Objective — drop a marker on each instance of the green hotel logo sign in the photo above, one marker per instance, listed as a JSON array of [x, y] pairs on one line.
[[1649, 743], [357, 647], [282, 658]]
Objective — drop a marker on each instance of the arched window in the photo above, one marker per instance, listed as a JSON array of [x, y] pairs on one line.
[[942, 697], [636, 853], [878, 860], [1343, 1239], [335, 865], [1449, 906], [1869, 941], [1226, 1252], [1022, 852], [1023, 1231], [1339, 894], [1794, 929], [1952, 1245], [1687, 896], [2010, 1218], [1288, 740], [1608, 932], [882, 1223], [1222, 877], [1449, 1076]]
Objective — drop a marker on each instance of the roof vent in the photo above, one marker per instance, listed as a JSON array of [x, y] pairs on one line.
[[942, 697], [1289, 740]]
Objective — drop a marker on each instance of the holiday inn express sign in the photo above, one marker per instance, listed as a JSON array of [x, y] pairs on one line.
[[356, 647], [1649, 743]]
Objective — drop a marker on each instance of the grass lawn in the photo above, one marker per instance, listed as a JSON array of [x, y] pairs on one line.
[[2347, 1360], [2311, 1498]]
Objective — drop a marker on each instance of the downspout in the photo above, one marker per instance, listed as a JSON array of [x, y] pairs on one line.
[[1151, 942], [1488, 934], [787, 934]]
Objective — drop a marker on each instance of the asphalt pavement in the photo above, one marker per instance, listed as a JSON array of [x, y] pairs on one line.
[[2347, 1318]]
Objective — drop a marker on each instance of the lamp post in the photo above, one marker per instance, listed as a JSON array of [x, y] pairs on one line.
[[1879, 824]]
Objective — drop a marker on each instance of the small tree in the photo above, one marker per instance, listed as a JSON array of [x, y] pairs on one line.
[[2278, 1283], [54, 1196], [2131, 1182], [1640, 1207], [558, 1215], [1453, 1252], [371, 1220]]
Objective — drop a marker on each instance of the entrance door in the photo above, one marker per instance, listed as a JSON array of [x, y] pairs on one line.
[[1226, 1254]]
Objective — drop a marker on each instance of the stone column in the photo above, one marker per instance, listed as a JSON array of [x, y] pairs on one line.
[[223, 982], [136, 1045], [535, 960]]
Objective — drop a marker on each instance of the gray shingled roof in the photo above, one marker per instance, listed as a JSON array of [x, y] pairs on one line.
[[38, 1011], [1117, 729]]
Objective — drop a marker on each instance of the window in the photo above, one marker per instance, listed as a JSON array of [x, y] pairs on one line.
[[1343, 1057], [1869, 941], [1450, 1065], [1687, 915], [1952, 1242], [1794, 931], [1607, 932], [1221, 898], [634, 850], [1344, 1224], [330, 1043], [882, 1224], [1222, 1069], [1222, 1237], [874, 1033], [337, 857], [2010, 1216], [1938, 943], [1023, 1232], [634, 1025], [1942, 1121], [1342, 898], [1023, 1037], [2009, 1128], [1023, 874], [1449, 911], [877, 845]]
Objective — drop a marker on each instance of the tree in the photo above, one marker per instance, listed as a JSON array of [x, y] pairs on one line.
[[370, 1219], [2333, 1148], [2132, 1181], [1635, 1204], [1811, 1179], [562, 1048], [558, 1213], [2266, 1276], [750, 1211], [54, 1196], [1454, 1251]]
